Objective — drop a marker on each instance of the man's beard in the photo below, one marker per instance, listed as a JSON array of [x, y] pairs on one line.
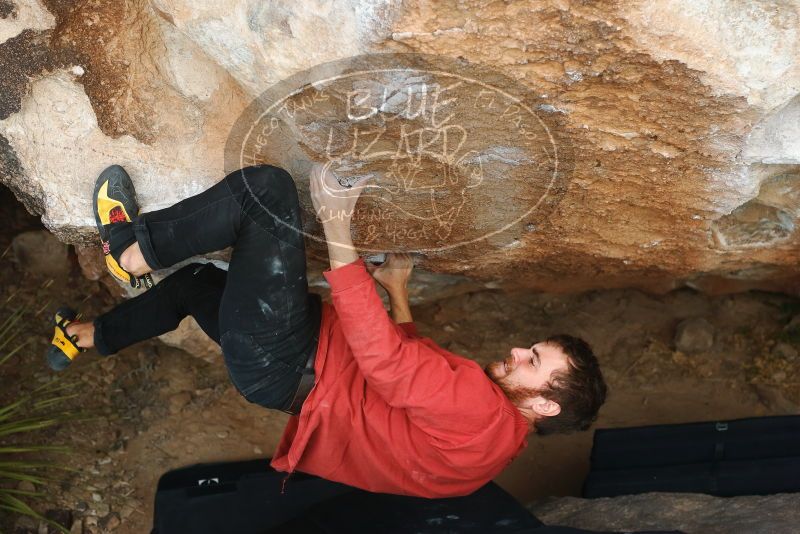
[[515, 393]]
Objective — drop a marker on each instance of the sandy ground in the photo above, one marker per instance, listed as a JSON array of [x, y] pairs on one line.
[[155, 408]]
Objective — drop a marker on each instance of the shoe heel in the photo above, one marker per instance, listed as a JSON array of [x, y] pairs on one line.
[[61, 346]]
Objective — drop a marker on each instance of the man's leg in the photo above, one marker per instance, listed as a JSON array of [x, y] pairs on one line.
[[268, 321], [195, 290], [202, 223]]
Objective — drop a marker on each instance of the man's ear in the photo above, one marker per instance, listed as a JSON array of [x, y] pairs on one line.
[[545, 407]]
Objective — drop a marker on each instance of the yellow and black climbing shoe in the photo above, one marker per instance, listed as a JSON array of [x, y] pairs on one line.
[[63, 349], [114, 203]]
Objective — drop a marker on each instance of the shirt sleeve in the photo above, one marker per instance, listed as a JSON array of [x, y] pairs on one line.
[[445, 401], [409, 328]]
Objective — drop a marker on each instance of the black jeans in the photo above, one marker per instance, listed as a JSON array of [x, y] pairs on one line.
[[260, 311]]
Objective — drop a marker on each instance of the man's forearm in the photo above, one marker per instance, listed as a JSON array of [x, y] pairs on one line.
[[340, 243], [398, 304], [341, 252]]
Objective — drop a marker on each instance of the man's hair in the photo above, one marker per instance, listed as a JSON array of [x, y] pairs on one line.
[[580, 390]]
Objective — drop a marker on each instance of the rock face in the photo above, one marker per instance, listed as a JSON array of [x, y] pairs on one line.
[[547, 145], [686, 512]]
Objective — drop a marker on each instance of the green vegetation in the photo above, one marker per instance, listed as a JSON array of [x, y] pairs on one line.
[[22, 422]]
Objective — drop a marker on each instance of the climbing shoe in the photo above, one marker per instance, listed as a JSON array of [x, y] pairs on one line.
[[114, 203], [63, 349]]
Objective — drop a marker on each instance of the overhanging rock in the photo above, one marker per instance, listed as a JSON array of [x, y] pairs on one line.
[[677, 123]]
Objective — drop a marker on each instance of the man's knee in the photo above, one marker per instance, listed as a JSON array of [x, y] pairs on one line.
[[267, 181]]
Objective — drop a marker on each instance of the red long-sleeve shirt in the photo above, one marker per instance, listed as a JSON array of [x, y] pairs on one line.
[[393, 412]]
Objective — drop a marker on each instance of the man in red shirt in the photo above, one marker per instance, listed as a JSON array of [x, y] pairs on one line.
[[376, 405]]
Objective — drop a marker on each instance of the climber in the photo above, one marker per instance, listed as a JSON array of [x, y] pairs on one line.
[[374, 404]]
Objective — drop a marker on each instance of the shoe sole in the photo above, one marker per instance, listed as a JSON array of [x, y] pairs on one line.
[[120, 190]]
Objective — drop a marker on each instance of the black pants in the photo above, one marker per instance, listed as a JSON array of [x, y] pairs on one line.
[[260, 311]]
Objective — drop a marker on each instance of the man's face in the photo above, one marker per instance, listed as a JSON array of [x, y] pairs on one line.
[[525, 372]]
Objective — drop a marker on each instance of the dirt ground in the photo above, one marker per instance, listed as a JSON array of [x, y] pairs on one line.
[[155, 408]]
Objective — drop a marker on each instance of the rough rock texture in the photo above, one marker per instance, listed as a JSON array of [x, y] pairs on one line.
[[110, 83], [686, 512], [669, 128], [191, 338], [694, 335], [40, 252], [423, 287]]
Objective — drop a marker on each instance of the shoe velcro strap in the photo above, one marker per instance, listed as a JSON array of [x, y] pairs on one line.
[[64, 342]]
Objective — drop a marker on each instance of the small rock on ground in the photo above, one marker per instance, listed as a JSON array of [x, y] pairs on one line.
[[39, 252], [110, 522], [178, 401], [694, 335], [785, 351]]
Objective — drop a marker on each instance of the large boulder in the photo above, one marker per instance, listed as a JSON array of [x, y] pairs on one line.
[[687, 512], [576, 145]]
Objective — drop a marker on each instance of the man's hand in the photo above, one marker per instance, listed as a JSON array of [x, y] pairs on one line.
[[393, 274], [334, 205], [333, 202]]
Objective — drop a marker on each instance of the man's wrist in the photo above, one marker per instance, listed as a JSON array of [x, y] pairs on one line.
[[401, 311], [398, 301], [397, 292], [337, 228], [340, 243]]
